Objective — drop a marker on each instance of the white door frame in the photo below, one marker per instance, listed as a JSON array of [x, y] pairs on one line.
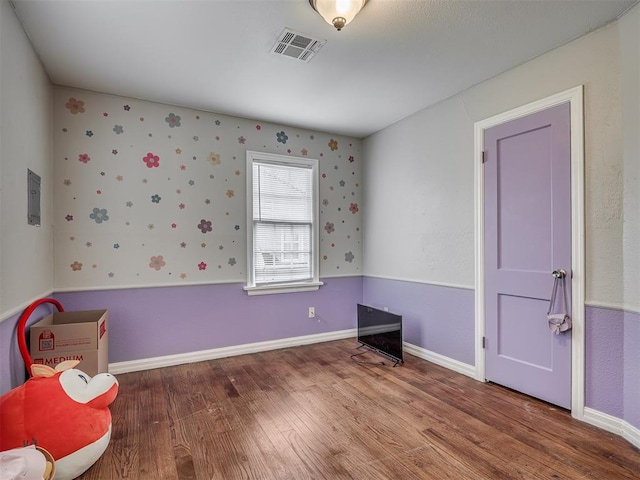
[[575, 97]]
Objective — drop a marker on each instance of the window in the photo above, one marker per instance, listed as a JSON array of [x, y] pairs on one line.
[[282, 223]]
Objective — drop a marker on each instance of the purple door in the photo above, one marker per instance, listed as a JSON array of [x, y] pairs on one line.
[[527, 204]]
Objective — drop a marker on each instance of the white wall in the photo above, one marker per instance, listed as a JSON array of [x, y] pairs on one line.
[[419, 198], [26, 263], [630, 75], [419, 172]]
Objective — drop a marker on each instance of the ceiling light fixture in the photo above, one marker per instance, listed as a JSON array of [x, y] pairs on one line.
[[338, 12]]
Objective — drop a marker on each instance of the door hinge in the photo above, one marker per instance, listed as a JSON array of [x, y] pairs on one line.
[[484, 342], [484, 156]]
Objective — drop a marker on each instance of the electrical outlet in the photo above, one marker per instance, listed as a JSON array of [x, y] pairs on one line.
[[312, 312]]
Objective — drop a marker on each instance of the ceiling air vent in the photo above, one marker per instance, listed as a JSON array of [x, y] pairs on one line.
[[297, 45]]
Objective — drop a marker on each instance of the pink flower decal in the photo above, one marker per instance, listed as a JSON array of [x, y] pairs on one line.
[[151, 160], [202, 266], [84, 158], [353, 208], [351, 159], [329, 227], [157, 262]]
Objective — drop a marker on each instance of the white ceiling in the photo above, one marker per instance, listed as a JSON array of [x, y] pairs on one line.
[[395, 58]]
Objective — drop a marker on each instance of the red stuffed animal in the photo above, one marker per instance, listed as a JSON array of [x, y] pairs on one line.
[[63, 410]]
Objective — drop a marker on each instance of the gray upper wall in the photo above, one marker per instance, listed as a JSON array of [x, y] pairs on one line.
[[26, 251]]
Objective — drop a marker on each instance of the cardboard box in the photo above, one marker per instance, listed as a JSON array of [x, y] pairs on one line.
[[82, 335]]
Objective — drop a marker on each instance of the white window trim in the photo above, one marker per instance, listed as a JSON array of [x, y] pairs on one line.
[[305, 286]]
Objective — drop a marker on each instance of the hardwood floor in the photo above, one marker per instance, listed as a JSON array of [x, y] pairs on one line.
[[313, 413]]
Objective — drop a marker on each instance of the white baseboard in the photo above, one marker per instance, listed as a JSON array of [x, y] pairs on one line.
[[455, 365], [612, 424], [203, 355]]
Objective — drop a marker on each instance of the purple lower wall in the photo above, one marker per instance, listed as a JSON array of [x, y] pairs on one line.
[[438, 319], [612, 383], [155, 322], [604, 360], [632, 368]]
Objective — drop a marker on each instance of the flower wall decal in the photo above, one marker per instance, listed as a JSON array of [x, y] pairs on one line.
[[75, 106], [214, 158], [205, 226], [173, 120], [157, 262], [99, 215], [159, 173], [282, 137], [151, 160]]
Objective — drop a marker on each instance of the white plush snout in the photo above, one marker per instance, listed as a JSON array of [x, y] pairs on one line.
[[84, 388]]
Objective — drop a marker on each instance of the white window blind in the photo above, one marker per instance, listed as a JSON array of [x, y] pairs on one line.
[[283, 220]]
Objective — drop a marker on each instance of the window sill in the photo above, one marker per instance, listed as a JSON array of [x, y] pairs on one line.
[[283, 288]]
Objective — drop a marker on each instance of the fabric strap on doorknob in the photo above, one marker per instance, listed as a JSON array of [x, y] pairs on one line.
[[558, 322]]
